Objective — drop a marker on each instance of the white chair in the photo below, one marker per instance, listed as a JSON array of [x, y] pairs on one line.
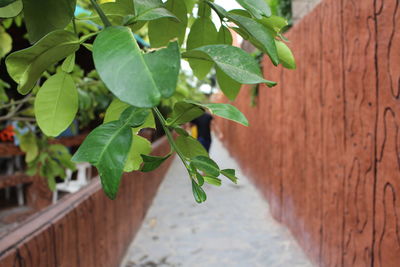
[[84, 173]]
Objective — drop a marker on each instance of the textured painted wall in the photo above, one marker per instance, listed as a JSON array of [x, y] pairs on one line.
[[324, 145]]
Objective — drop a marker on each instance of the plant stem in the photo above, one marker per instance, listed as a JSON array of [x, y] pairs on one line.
[[170, 137], [99, 11]]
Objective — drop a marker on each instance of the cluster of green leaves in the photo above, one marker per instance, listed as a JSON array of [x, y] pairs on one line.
[[141, 79]]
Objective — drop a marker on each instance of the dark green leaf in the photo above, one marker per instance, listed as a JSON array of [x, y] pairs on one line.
[[206, 165], [117, 57], [230, 174], [26, 66], [134, 117], [190, 147], [11, 10], [164, 65], [184, 112], [218, 9], [198, 193], [107, 148], [203, 32], [4, 3], [44, 16], [152, 162], [257, 8], [56, 104], [164, 30], [213, 180], [233, 61], [228, 86], [261, 34], [226, 111], [224, 36]]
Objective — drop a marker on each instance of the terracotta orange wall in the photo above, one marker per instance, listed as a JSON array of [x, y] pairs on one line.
[[324, 145]]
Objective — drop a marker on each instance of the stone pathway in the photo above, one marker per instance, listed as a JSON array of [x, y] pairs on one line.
[[233, 228]]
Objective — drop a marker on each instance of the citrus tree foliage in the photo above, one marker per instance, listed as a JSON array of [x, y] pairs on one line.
[[141, 79]]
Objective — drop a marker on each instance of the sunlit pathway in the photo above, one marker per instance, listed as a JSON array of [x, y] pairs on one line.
[[233, 228]]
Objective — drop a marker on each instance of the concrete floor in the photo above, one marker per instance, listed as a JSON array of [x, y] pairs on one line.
[[233, 228]]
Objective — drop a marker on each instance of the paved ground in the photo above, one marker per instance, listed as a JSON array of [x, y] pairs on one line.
[[233, 228]]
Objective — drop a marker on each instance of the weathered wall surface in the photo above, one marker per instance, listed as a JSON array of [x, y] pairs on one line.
[[85, 229], [324, 145]]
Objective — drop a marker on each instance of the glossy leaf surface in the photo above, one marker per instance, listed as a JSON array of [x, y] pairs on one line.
[[206, 165], [198, 193], [213, 180], [26, 66], [11, 10], [44, 16], [152, 162], [56, 104], [190, 147], [184, 112], [140, 145], [230, 174], [228, 86], [257, 8], [285, 55]]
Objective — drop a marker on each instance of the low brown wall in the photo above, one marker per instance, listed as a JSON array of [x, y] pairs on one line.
[[324, 145], [85, 229]]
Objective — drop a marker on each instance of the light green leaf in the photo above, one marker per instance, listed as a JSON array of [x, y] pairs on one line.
[[213, 180], [164, 30], [233, 61], [226, 111], [190, 147], [228, 86], [139, 146], [203, 32], [26, 66], [69, 63], [107, 148], [29, 145], [206, 165], [285, 55], [263, 37], [184, 112], [44, 16], [56, 104], [274, 23], [142, 6], [5, 42], [11, 10], [152, 162], [181, 131], [156, 13], [117, 56], [230, 174], [224, 36], [257, 8], [198, 193]]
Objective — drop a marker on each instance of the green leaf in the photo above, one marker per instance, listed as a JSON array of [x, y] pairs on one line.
[[44, 16], [224, 36], [107, 148], [163, 30], [11, 10], [274, 23], [228, 86], [115, 48], [134, 117], [115, 110], [156, 13], [190, 147], [69, 63], [257, 8], [264, 39], [213, 180], [233, 61], [29, 145], [5, 42], [165, 64], [26, 66], [142, 6], [152, 162], [285, 55], [61, 154], [230, 174], [181, 131], [4, 3], [56, 104], [203, 32], [221, 12], [226, 111], [184, 112], [139, 146], [206, 165], [198, 193]]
